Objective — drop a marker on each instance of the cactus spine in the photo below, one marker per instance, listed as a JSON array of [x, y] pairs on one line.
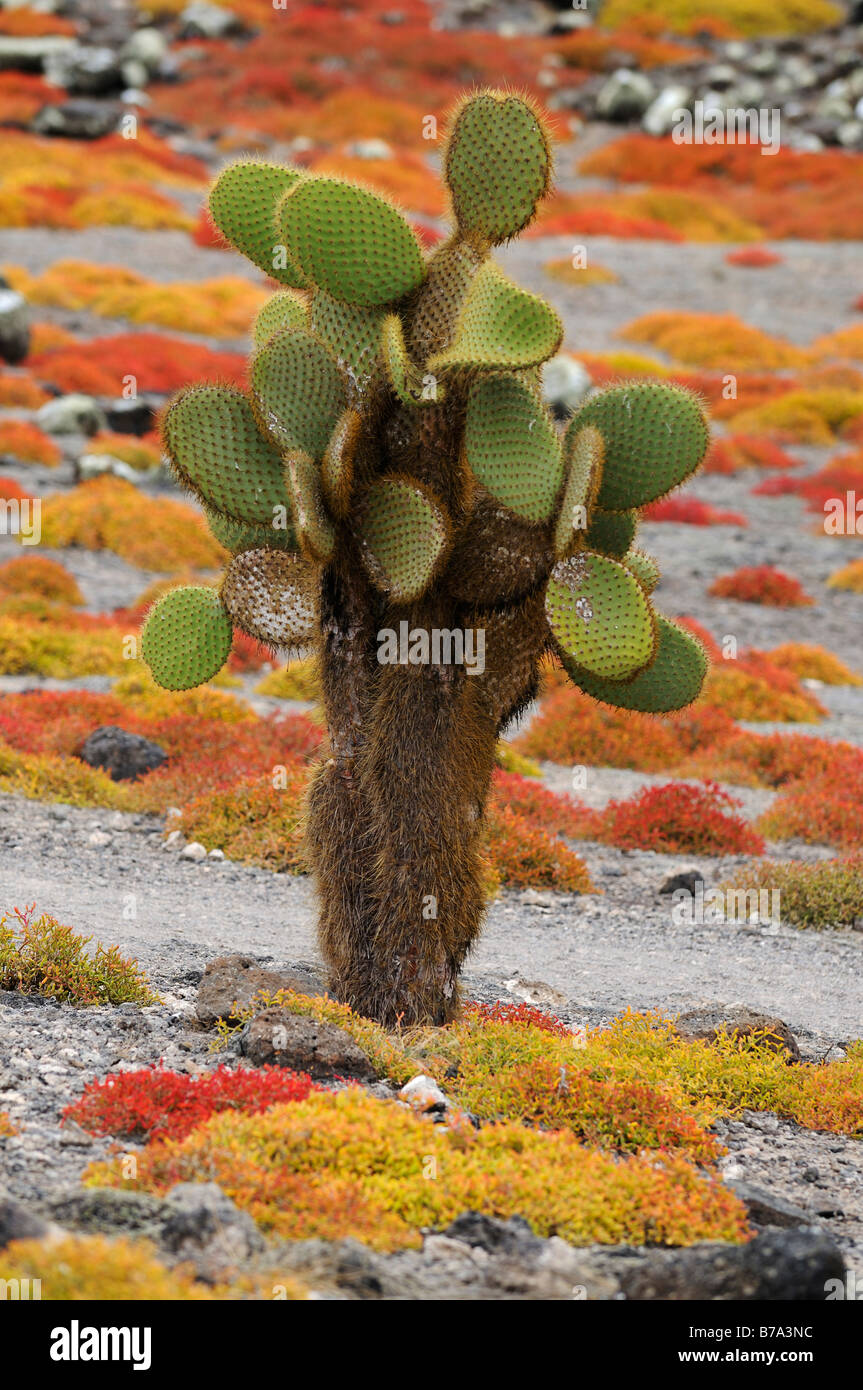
[[394, 463]]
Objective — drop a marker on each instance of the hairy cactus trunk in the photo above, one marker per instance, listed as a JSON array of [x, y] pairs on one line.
[[395, 814], [394, 469]]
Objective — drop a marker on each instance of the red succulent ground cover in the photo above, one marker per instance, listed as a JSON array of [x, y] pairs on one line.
[[203, 754], [822, 808], [731, 452], [603, 222], [518, 1015], [817, 197], [303, 57], [525, 855], [692, 512], [754, 257], [679, 817], [558, 815], [160, 1104], [840, 476], [27, 23], [779, 486], [23, 441], [753, 388], [158, 362], [775, 760], [23, 94], [10, 491], [573, 728], [676, 817], [19, 391], [248, 654], [761, 584], [37, 576]]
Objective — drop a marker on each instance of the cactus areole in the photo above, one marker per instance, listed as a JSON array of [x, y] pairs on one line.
[[397, 498]]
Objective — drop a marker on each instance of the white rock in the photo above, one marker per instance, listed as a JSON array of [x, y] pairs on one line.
[[99, 839], [83, 70], [625, 95], [765, 62], [14, 326], [202, 20], [535, 991], [721, 75], [850, 133], [217, 854], [194, 851], [730, 1168], [94, 465], [834, 108], [805, 140], [29, 54], [133, 96], [565, 382], [748, 92], [663, 113], [423, 1093], [134, 74], [72, 414], [370, 149], [147, 46], [175, 840], [531, 897]]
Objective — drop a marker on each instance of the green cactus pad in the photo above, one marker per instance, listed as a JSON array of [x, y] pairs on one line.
[[186, 638], [218, 452], [337, 468], [672, 680], [243, 203], [236, 536], [404, 536], [500, 326], [512, 447], [600, 616], [583, 454], [435, 308], [297, 392], [645, 569], [314, 527], [611, 533], [353, 336], [403, 376], [497, 165], [655, 437], [350, 242], [272, 597], [283, 310]]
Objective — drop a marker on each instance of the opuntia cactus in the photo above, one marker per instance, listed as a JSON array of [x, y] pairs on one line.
[[393, 469]]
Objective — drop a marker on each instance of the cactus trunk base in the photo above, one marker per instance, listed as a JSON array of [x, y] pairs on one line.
[[394, 829]]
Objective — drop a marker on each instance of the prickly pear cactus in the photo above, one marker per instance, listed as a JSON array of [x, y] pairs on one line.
[[395, 492]]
